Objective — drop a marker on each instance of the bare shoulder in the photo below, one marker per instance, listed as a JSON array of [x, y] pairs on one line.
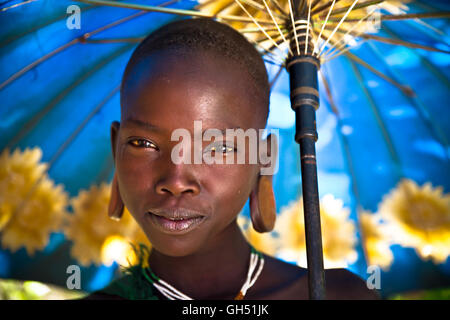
[[279, 280], [343, 284], [285, 281]]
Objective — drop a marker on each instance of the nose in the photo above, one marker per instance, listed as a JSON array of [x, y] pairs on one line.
[[176, 180]]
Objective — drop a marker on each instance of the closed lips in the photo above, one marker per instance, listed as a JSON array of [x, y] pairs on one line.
[[176, 221], [176, 214]]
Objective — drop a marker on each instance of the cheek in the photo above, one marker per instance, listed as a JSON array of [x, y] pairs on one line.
[[232, 187], [135, 178]]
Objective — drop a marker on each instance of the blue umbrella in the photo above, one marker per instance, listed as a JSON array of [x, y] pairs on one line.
[[383, 113]]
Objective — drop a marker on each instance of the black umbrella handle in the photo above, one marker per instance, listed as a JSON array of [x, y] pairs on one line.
[[305, 101]]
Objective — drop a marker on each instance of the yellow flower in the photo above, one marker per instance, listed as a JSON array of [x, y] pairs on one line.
[[338, 233], [420, 218], [376, 240], [96, 238], [263, 242], [31, 206]]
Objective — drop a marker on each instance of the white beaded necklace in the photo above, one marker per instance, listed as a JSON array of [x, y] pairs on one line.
[[173, 294]]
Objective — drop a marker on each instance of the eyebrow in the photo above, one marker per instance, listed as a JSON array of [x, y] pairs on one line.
[[151, 127], [143, 124]]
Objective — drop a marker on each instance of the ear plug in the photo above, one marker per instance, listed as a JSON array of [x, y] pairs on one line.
[[262, 206], [116, 206]]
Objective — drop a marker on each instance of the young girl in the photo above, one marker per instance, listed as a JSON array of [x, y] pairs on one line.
[[186, 71]]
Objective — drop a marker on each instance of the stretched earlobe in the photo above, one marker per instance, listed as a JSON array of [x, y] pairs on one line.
[[262, 205], [116, 206]]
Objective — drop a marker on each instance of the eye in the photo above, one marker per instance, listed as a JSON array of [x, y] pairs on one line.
[[222, 147], [142, 143]]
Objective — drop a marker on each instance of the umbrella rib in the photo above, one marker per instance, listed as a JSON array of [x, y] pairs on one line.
[[341, 50], [47, 109], [351, 29], [261, 37], [402, 43], [261, 8], [6, 41], [275, 63], [16, 5], [115, 40], [180, 12], [276, 24], [30, 124], [329, 94], [436, 34], [253, 4], [255, 30], [422, 110], [346, 154], [429, 65], [272, 55], [407, 16], [278, 40], [324, 24], [27, 68], [204, 4], [78, 130], [275, 78], [307, 28], [361, 5], [279, 7], [323, 7], [225, 7], [315, 3], [293, 26], [429, 26], [378, 119], [338, 25], [405, 89], [348, 160], [425, 15], [127, 5], [259, 26], [79, 39]]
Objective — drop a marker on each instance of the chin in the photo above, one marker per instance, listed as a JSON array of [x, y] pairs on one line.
[[175, 248], [174, 245]]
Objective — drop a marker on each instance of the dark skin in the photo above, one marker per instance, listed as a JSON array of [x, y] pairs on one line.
[[166, 91]]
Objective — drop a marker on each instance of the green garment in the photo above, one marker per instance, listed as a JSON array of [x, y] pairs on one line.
[[132, 286], [137, 284]]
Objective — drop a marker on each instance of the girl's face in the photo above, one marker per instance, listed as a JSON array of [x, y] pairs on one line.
[[165, 92]]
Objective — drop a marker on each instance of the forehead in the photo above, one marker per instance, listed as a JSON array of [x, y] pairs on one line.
[[180, 88]]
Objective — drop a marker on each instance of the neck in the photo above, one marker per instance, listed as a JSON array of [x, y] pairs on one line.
[[217, 272]]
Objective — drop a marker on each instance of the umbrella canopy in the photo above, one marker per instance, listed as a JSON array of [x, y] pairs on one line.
[[383, 114]]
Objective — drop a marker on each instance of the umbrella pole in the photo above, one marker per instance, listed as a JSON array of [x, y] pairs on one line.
[[303, 68], [305, 101]]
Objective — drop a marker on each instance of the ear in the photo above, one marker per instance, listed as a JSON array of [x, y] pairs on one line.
[[116, 206], [262, 198], [115, 126]]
